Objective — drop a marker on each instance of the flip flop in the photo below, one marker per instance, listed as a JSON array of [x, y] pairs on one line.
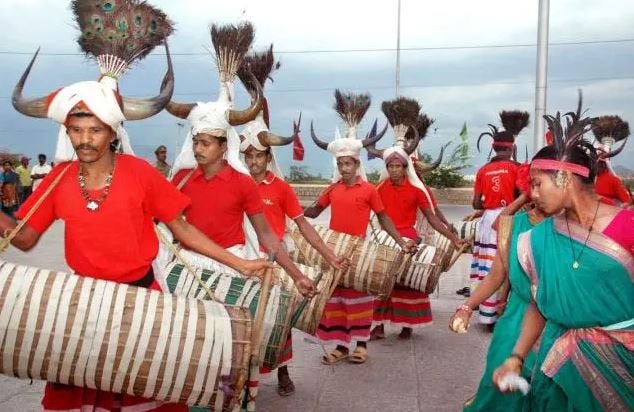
[[360, 355], [333, 357]]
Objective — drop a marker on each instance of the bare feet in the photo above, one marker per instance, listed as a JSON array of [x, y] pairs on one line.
[[377, 333], [285, 385]]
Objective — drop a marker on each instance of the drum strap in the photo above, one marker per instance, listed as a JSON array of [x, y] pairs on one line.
[[10, 234]]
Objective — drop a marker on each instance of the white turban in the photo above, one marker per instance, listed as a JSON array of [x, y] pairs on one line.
[[100, 98], [250, 134], [346, 146], [411, 173]]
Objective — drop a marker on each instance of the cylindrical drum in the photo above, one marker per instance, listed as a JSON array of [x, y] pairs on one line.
[[373, 267], [467, 230], [114, 337], [239, 291]]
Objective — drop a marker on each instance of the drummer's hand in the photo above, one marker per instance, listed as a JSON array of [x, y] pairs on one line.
[[459, 243], [339, 262], [305, 286], [409, 246], [512, 366], [452, 229], [255, 267], [496, 222]]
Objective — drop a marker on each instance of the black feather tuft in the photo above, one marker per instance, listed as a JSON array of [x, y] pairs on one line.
[[422, 126], [610, 126], [514, 120], [261, 64], [231, 43]]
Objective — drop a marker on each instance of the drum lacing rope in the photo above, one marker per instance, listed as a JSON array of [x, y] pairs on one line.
[[10, 234]]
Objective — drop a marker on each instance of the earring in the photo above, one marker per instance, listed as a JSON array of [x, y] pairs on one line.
[[560, 179]]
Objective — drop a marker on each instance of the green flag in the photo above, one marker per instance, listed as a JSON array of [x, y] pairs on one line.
[[464, 153]]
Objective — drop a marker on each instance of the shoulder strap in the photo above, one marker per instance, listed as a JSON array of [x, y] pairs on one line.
[[185, 179], [505, 226]]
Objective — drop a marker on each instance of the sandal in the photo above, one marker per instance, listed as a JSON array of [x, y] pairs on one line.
[[286, 389], [333, 357], [360, 355]]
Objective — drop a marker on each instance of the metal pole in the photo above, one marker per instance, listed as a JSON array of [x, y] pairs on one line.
[[541, 85], [398, 49]]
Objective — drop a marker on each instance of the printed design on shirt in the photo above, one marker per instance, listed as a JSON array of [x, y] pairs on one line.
[[496, 184], [268, 202]]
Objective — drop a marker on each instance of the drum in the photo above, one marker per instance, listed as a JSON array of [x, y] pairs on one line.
[[114, 337], [373, 267], [425, 266], [243, 292], [467, 230], [325, 283]]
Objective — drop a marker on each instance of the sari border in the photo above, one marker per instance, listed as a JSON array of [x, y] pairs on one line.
[[597, 241], [525, 256]]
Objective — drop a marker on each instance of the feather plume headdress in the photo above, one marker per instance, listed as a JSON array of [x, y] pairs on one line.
[[513, 122], [608, 130], [116, 34]]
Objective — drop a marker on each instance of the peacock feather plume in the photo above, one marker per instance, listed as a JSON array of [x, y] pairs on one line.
[[401, 111], [422, 126], [231, 43], [514, 120], [261, 65], [351, 107], [116, 33], [610, 126]]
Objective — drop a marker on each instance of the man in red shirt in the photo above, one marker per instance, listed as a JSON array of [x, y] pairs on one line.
[[403, 195], [280, 202], [108, 202], [494, 189], [348, 314]]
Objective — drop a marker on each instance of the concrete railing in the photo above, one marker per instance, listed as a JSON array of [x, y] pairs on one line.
[[307, 193]]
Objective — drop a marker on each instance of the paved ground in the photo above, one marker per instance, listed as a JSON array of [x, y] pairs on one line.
[[435, 371]]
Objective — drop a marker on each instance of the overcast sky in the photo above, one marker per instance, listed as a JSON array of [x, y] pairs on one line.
[[453, 81]]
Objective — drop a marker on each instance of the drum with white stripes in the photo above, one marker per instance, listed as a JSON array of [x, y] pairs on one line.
[[308, 319], [238, 291], [467, 230], [425, 266], [118, 338], [373, 267]]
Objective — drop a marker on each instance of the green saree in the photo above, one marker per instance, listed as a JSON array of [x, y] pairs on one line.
[[507, 330], [585, 360]]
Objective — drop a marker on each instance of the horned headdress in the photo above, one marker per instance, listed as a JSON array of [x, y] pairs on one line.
[[351, 108], [115, 34], [513, 122], [231, 43], [257, 132]]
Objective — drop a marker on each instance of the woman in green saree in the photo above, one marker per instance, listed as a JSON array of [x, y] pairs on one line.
[[581, 268]]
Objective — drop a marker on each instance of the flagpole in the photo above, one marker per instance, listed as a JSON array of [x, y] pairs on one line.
[[398, 49], [541, 85]]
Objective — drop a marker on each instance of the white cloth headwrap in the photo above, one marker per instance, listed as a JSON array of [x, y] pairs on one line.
[[250, 134], [100, 99], [411, 172], [346, 146]]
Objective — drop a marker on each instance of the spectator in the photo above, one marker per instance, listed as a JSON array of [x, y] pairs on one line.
[[161, 161], [9, 189], [25, 186], [38, 172]]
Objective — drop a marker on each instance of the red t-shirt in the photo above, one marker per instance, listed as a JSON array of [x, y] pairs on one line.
[[610, 186], [401, 203], [434, 202], [218, 204], [351, 205], [496, 182], [118, 241], [279, 200]]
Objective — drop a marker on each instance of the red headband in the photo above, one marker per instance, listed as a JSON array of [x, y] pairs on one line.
[[547, 164], [503, 144]]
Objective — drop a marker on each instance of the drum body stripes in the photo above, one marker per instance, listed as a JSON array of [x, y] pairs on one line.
[[238, 291], [114, 337], [373, 267], [425, 266], [467, 230]]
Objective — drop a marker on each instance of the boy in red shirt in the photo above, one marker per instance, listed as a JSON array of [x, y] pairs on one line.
[[494, 189], [348, 315]]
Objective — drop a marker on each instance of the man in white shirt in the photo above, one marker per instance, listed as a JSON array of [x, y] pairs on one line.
[[39, 171]]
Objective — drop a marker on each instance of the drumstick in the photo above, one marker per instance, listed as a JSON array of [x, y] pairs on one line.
[[259, 314], [302, 305], [457, 256]]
